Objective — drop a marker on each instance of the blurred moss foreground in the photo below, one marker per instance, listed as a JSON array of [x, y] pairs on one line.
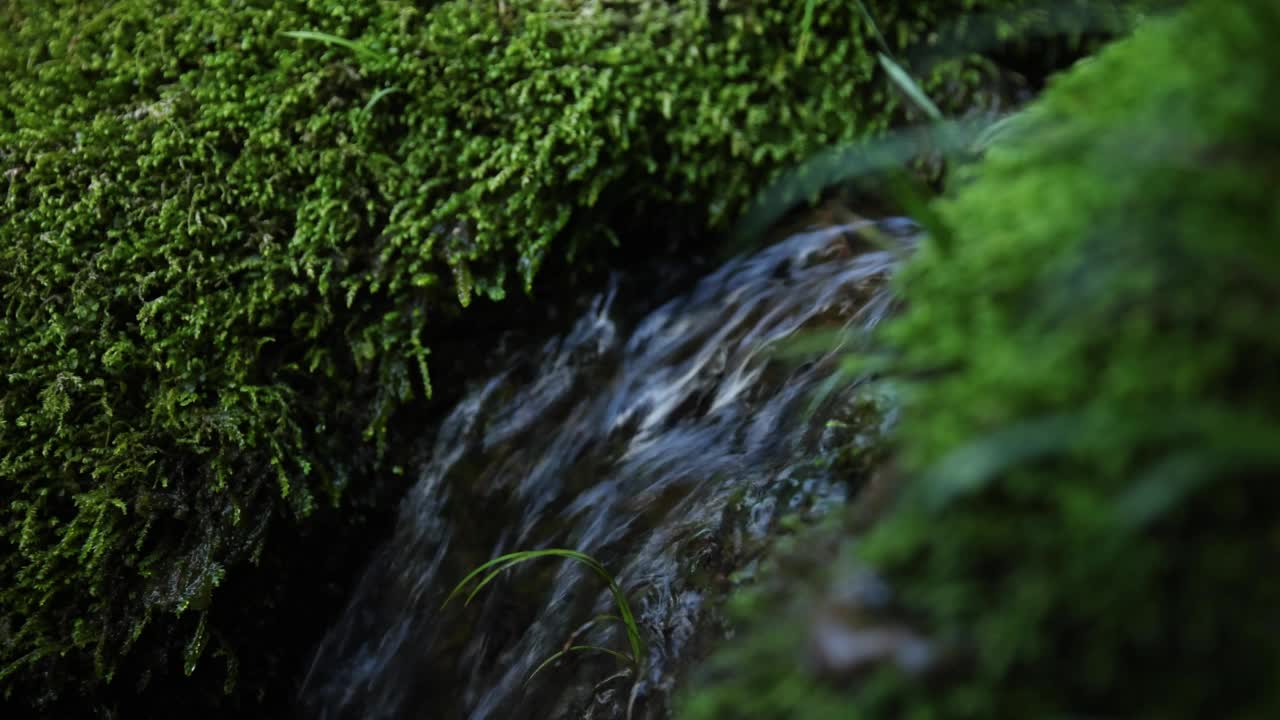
[[228, 229], [1088, 525]]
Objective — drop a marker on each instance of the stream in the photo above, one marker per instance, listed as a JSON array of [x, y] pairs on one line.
[[669, 450]]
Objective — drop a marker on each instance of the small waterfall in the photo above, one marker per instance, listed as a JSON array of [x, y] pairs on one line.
[[667, 450]]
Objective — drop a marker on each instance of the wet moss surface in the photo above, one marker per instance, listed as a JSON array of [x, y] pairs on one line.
[[1088, 445]]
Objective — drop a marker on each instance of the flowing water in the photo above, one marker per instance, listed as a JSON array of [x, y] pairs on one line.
[[667, 450]]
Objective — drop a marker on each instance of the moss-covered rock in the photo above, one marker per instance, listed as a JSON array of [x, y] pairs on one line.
[[220, 246], [1090, 518]]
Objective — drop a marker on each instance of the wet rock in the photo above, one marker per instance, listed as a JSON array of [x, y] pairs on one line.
[[670, 449], [850, 636], [842, 647]]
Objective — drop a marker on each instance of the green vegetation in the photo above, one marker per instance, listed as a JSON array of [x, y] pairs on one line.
[[1091, 416], [495, 567], [225, 227]]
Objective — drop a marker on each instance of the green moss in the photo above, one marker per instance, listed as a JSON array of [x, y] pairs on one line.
[[221, 245], [1090, 517]]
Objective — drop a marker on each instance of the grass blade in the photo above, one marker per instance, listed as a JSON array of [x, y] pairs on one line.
[[913, 91], [578, 648], [463, 584], [490, 578], [806, 31], [875, 27], [378, 96], [491, 569], [838, 165], [326, 38]]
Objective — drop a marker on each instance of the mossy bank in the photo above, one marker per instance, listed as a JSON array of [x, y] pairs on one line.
[[224, 248], [1090, 434]]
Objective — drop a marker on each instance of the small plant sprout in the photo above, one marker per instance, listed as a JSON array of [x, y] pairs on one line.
[[480, 577]]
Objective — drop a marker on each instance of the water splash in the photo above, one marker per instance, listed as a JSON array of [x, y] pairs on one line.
[[667, 451]]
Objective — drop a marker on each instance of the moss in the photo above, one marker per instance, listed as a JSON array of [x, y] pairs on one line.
[[1089, 519], [222, 246]]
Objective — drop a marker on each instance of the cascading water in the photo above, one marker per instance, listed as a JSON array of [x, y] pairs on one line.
[[668, 452]]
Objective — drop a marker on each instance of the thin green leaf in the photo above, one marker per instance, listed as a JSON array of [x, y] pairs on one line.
[[578, 648], [489, 578], [838, 165], [1217, 446], [470, 576], [806, 31], [909, 86], [328, 39], [969, 468], [378, 96], [1001, 130], [875, 27], [552, 658], [1161, 487], [496, 566]]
